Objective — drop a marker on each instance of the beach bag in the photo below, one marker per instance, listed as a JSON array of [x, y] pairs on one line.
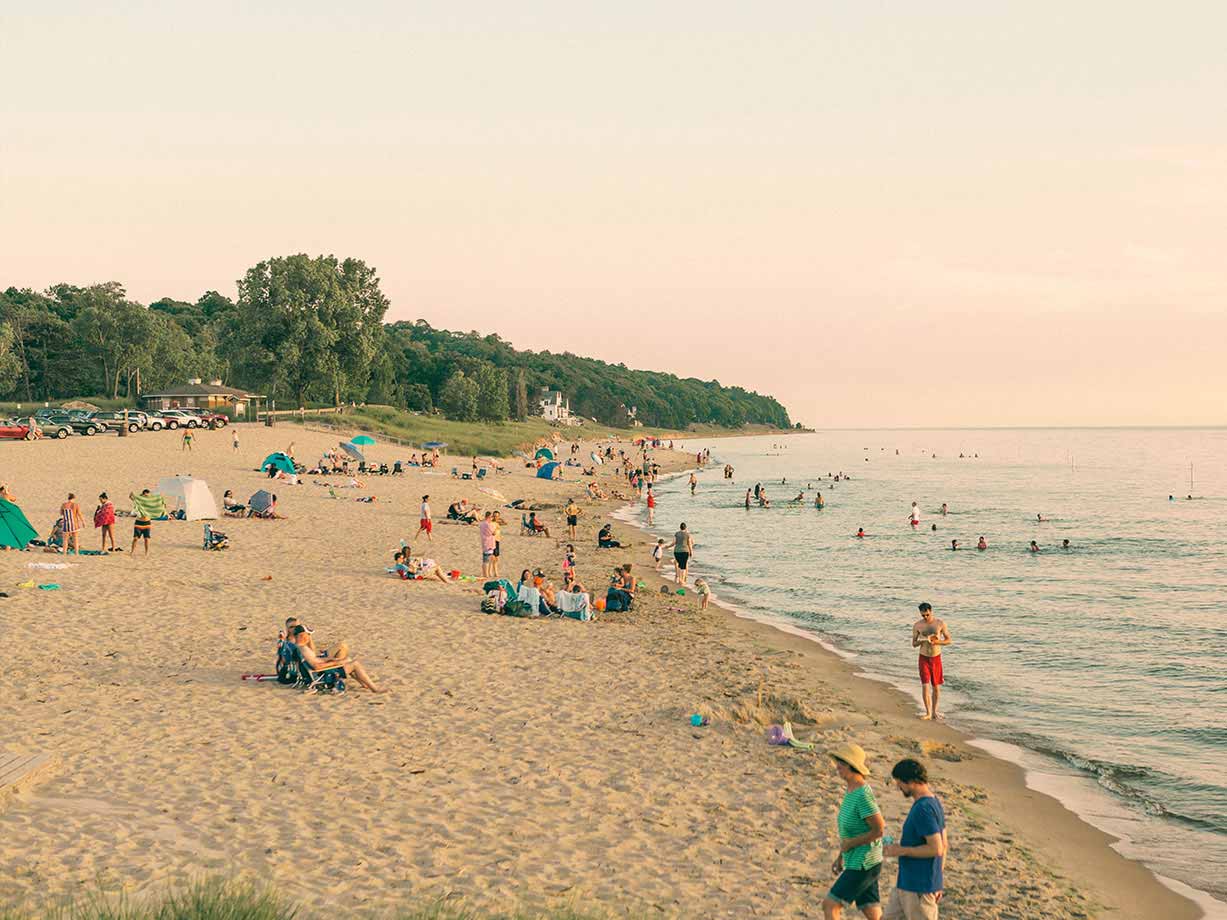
[[516, 608], [489, 604]]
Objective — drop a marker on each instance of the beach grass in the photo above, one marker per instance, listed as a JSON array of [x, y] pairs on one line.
[[220, 899], [464, 438]]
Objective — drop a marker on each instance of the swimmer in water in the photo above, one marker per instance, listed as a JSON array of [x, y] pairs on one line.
[[818, 502], [934, 528], [954, 544], [1065, 544], [983, 544], [860, 533], [914, 516], [944, 509], [747, 499], [1034, 547], [800, 497], [1039, 519]]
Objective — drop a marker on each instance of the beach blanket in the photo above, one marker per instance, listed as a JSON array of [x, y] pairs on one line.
[[149, 506]]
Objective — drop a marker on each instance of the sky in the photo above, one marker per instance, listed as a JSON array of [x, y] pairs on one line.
[[883, 214]]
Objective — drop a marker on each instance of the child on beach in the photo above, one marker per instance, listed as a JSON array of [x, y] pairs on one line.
[[700, 585], [658, 553]]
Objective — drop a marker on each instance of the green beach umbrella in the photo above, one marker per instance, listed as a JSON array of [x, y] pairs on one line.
[[15, 530], [363, 439]]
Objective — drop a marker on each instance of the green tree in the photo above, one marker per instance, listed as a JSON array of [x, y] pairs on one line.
[[492, 403], [521, 399], [10, 364], [417, 397], [305, 327], [460, 397]]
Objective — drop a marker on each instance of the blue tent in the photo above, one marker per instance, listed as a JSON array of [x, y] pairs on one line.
[[544, 452], [279, 460], [547, 470]]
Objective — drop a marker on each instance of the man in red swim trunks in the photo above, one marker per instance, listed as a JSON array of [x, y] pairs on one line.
[[929, 634]]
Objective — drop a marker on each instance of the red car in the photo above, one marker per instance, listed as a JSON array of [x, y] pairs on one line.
[[16, 431], [207, 419]]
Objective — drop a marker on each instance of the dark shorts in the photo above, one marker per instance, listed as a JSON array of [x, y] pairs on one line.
[[141, 530], [572, 520], [682, 559], [498, 548], [857, 886]]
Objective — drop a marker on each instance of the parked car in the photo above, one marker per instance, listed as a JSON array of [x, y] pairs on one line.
[[181, 418], [78, 424], [53, 429], [114, 420], [208, 418], [13, 430]]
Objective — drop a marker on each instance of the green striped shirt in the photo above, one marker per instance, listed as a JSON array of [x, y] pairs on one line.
[[858, 805]]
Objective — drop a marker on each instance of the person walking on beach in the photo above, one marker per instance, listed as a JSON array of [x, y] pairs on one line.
[[683, 549], [425, 523], [234, 433], [861, 825], [187, 440], [651, 506], [693, 482], [71, 522], [929, 634], [572, 511], [104, 519], [921, 848], [485, 531]]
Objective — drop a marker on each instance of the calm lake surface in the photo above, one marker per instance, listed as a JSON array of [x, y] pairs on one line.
[[1101, 668]]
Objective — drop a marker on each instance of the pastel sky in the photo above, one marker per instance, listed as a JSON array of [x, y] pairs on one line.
[[939, 213]]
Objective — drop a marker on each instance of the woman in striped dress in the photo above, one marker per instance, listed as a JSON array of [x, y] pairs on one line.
[[72, 522]]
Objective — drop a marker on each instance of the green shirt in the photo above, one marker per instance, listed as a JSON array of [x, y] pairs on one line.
[[858, 805]]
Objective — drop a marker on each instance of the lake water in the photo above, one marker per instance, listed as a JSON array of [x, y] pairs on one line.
[[1101, 668]]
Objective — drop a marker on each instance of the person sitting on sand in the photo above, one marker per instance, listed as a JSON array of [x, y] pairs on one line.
[[571, 583], [322, 663], [459, 511], [398, 565], [605, 540]]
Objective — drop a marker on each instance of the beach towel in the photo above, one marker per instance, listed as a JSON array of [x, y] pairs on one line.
[[105, 514], [575, 605], [149, 506]]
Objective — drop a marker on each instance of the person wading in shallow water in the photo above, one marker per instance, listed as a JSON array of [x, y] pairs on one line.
[[929, 634]]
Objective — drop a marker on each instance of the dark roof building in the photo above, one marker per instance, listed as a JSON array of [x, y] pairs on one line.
[[198, 395]]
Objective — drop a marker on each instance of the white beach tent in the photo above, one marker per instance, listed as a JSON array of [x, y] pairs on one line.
[[191, 496]]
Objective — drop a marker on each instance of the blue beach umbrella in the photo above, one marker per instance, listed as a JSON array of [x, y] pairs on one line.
[[434, 445], [364, 439], [352, 451]]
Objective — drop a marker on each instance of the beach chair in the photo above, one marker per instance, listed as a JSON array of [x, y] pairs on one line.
[[455, 472], [383, 469], [481, 473], [214, 539], [398, 468], [328, 680], [362, 467], [575, 604], [528, 529]]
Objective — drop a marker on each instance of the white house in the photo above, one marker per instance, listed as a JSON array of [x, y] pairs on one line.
[[554, 408]]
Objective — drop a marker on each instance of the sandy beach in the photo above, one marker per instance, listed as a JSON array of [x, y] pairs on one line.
[[514, 762]]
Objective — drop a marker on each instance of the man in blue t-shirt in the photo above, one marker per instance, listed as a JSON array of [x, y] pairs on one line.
[[920, 849]]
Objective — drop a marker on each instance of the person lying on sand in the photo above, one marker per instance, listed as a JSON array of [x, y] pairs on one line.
[[322, 663], [420, 569]]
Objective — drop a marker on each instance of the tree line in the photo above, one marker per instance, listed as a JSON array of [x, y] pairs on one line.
[[306, 330]]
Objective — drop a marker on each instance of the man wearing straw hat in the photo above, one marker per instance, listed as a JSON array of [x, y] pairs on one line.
[[860, 840]]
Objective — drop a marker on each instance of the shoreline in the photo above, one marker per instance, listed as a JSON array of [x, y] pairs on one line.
[[1122, 884]]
